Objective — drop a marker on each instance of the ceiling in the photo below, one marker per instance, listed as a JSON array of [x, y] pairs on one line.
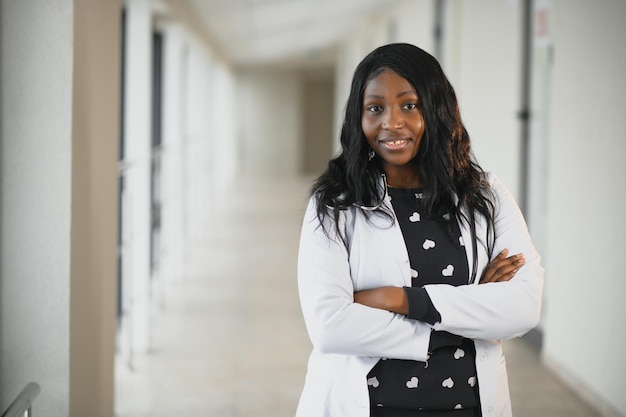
[[280, 32]]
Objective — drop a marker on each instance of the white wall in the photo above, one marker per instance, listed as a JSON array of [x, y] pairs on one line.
[[197, 138], [58, 137], [224, 162], [414, 23], [584, 315], [483, 62], [269, 122], [36, 140], [409, 21]]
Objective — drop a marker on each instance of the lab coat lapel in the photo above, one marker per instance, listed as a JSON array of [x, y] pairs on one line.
[[481, 252], [392, 238], [466, 235]]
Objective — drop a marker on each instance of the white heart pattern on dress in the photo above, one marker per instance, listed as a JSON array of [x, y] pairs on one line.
[[373, 381], [412, 383], [415, 217], [428, 244], [448, 271], [461, 241], [471, 381], [414, 273], [458, 407], [448, 383], [459, 353]]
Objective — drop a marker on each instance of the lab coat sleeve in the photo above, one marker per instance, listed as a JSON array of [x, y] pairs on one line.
[[500, 310], [335, 323]]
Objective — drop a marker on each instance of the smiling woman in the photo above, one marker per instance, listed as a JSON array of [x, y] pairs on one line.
[[393, 126], [400, 230]]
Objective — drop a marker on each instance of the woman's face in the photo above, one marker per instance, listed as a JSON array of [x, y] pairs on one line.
[[393, 124]]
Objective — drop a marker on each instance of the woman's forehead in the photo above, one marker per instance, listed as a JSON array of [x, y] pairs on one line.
[[388, 80]]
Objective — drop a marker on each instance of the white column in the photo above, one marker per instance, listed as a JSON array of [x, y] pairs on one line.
[[224, 130], [174, 57], [198, 138], [138, 153]]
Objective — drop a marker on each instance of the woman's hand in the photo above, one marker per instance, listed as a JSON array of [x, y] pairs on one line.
[[502, 268], [385, 298]]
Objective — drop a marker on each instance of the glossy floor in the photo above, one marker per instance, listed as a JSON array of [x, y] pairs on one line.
[[228, 340]]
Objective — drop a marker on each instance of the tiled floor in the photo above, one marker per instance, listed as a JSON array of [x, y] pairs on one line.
[[229, 340]]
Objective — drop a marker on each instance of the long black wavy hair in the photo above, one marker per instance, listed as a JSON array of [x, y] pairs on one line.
[[445, 161]]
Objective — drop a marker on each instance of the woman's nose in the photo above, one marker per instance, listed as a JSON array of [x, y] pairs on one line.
[[392, 120]]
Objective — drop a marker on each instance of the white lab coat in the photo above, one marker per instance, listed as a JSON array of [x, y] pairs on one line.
[[349, 339]]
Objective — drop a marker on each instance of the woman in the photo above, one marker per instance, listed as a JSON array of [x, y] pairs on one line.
[[399, 231]]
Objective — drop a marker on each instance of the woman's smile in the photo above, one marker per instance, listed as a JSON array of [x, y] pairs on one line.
[[394, 144]]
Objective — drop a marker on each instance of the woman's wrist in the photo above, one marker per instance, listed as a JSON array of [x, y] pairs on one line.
[[385, 298], [398, 302], [420, 306]]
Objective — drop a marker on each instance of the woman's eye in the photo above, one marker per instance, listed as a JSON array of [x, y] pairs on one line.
[[374, 108], [410, 106]]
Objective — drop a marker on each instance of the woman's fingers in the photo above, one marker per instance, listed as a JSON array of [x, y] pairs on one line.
[[503, 268]]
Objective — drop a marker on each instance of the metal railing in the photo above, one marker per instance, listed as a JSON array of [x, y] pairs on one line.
[[21, 406]]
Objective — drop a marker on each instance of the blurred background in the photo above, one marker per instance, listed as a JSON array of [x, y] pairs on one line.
[[155, 160]]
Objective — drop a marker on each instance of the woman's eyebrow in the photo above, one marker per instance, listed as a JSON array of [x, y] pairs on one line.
[[407, 92], [379, 97]]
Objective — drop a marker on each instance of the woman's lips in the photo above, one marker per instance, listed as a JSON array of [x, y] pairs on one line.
[[394, 144]]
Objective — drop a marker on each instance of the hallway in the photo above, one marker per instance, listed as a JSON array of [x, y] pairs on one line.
[[123, 124], [229, 339]]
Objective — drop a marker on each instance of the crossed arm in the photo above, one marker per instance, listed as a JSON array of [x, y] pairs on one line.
[[366, 323], [501, 268]]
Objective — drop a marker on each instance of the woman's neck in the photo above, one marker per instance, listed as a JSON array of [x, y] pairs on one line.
[[397, 179]]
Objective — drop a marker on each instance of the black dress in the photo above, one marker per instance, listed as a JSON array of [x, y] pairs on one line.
[[446, 385]]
